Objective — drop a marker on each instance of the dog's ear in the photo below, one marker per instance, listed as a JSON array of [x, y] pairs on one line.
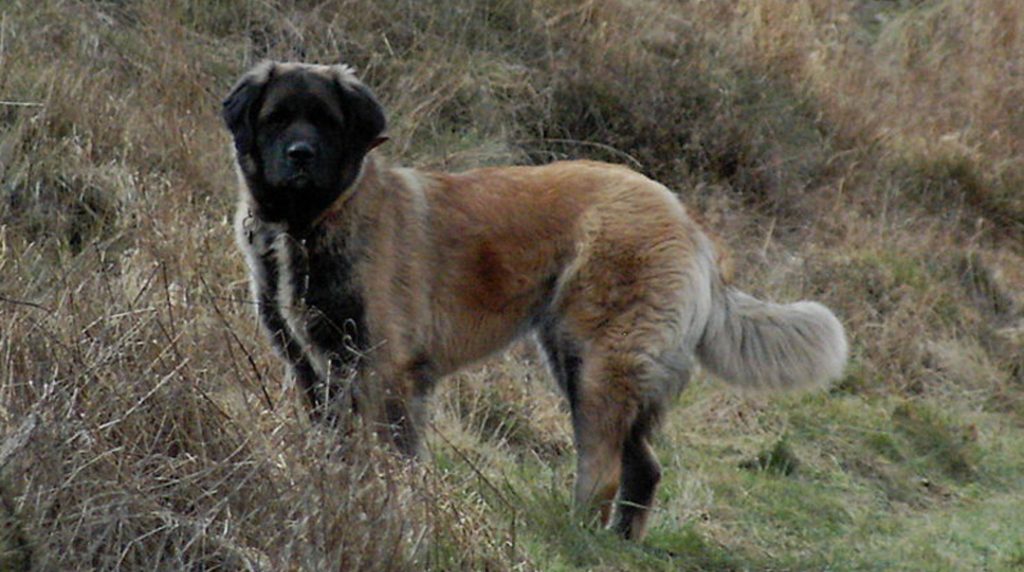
[[364, 115], [238, 110]]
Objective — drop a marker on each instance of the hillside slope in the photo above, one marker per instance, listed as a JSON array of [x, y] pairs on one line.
[[869, 155]]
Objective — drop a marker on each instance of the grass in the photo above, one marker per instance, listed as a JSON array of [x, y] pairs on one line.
[[865, 154]]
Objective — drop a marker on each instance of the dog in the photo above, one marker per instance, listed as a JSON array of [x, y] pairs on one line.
[[396, 277]]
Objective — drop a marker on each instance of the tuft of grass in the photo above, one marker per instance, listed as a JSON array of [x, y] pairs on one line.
[[779, 459], [15, 548], [936, 440]]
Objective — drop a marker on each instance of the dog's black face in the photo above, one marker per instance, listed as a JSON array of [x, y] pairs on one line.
[[301, 133]]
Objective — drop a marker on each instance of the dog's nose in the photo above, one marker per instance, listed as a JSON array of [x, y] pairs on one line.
[[300, 151]]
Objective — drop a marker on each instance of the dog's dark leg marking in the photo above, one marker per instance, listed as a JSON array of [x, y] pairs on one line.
[[640, 476], [563, 359], [302, 369], [321, 282], [403, 431], [265, 280], [333, 295], [405, 410]]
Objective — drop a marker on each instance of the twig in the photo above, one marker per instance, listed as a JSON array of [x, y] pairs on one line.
[[244, 301], [768, 240], [21, 103], [234, 336], [17, 439], [479, 473], [25, 303], [144, 399], [602, 146]]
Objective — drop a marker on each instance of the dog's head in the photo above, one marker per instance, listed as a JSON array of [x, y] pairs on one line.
[[301, 132]]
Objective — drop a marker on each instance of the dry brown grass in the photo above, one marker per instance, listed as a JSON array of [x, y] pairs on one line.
[[938, 85], [867, 154]]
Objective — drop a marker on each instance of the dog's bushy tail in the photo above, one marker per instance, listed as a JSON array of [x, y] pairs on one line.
[[756, 344]]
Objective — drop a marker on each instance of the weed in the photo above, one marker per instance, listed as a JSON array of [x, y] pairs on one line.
[[779, 459]]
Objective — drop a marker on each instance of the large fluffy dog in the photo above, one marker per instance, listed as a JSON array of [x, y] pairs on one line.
[[396, 277]]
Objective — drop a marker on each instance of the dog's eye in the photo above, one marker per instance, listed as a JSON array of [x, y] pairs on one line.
[[276, 118], [327, 120]]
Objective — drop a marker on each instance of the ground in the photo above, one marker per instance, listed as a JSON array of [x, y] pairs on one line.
[[869, 155]]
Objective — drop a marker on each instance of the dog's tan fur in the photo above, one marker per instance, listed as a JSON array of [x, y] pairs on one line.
[[620, 284]]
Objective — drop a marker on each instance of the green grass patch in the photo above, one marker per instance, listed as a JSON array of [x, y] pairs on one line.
[[779, 459]]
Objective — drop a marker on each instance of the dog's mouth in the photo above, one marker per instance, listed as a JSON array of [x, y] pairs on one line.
[[300, 180]]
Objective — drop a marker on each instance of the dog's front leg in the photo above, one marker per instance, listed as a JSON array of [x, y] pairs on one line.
[[404, 398], [257, 238], [401, 425]]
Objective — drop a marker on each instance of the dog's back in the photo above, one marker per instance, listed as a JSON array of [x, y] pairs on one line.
[[625, 292]]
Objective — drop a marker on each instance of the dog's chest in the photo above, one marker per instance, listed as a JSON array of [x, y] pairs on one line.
[[307, 292], [334, 301]]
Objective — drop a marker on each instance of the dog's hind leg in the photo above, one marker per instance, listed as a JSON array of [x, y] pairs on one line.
[[597, 439], [563, 359], [607, 407], [627, 379], [640, 475]]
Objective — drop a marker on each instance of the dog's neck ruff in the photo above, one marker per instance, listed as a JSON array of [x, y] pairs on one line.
[[368, 168]]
